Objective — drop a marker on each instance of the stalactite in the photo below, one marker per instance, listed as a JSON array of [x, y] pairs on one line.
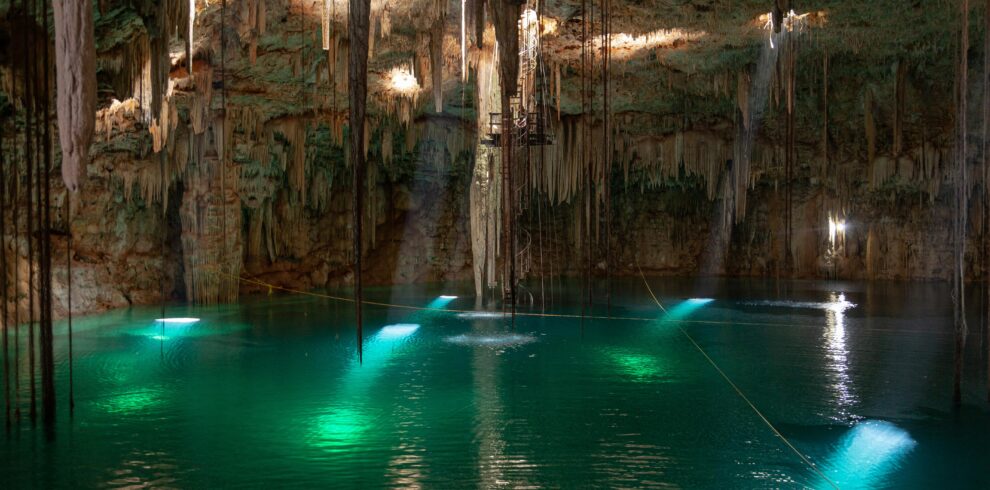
[[121, 115], [75, 54], [5, 285], [485, 205], [986, 191], [608, 147], [294, 131], [790, 61], [899, 95], [825, 155], [870, 126], [961, 204], [16, 212], [325, 23], [357, 73], [199, 109], [743, 87], [436, 62], [206, 209], [33, 197], [479, 23], [505, 16]]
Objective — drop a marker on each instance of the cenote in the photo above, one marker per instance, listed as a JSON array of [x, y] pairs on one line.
[[270, 393], [699, 244]]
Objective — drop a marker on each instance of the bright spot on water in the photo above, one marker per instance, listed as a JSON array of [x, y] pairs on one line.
[[491, 340], [480, 315], [448, 296], [867, 454], [397, 331], [838, 306], [159, 337], [178, 320], [700, 301]]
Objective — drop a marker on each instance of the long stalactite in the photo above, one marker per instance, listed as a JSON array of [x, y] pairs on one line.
[[45, 210], [961, 204], [505, 16], [986, 192], [357, 89], [5, 284], [29, 77], [75, 54]]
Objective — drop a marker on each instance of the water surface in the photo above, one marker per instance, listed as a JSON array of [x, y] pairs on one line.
[[270, 393]]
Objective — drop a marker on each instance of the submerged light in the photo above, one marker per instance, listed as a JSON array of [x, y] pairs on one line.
[[397, 331], [177, 320], [867, 454], [683, 309], [442, 300]]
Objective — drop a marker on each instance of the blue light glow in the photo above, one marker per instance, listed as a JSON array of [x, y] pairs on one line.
[[867, 454], [442, 301], [685, 308], [177, 321], [397, 331]]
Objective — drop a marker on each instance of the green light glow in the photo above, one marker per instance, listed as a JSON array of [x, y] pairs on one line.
[[338, 429], [133, 402], [638, 366]]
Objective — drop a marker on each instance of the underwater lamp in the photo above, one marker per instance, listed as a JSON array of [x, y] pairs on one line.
[[442, 300], [177, 320], [868, 454], [397, 331]]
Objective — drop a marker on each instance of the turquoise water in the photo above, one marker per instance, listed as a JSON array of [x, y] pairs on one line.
[[270, 393]]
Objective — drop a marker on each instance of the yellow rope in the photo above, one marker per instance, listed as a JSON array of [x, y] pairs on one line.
[[271, 288], [743, 395], [648, 288]]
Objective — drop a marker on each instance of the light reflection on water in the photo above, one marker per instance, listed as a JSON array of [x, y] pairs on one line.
[[443, 400], [837, 356]]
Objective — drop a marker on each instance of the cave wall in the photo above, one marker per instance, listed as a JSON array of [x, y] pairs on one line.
[[874, 120]]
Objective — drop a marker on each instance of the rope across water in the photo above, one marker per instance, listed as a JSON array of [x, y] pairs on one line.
[[743, 395], [800, 455], [272, 287]]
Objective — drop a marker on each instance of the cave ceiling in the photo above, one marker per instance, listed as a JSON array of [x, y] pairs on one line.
[[711, 41]]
